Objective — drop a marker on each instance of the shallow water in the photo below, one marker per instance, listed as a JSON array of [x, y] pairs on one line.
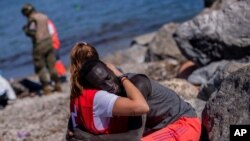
[[109, 25]]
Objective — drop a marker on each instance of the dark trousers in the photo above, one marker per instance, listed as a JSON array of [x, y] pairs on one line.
[[44, 59]]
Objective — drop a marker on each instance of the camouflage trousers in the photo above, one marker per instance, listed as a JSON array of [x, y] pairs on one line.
[[44, 59]]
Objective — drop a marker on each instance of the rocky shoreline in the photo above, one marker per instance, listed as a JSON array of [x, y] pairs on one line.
[[216, 84]]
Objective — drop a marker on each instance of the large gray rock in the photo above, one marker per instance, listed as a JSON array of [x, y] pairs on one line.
[[144, 39], [218, 4], [202, 75], [221, 34], [229, 106], [134, 54], [158, 70], [163, 45], [213, 84]]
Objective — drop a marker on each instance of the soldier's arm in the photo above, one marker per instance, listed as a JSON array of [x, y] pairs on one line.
[[30, 29]]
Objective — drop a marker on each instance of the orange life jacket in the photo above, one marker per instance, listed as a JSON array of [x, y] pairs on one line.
[[60, 68], [53, 32]]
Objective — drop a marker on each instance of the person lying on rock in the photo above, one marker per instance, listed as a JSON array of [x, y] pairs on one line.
[[95, 111]]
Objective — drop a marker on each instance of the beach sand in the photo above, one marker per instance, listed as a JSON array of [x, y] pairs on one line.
[[37, 118]]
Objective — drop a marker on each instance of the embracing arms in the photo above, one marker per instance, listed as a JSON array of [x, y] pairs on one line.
[[132, 105]]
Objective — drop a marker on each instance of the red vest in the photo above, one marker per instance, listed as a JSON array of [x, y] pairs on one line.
[[82, 114], [83, 105]]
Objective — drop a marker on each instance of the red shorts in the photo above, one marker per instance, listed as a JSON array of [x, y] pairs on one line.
[[184, 129]]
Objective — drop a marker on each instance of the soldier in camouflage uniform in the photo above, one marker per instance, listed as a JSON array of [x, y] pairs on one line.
[[43, 52]]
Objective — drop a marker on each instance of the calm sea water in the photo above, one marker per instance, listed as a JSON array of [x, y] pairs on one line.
[[109, 25]]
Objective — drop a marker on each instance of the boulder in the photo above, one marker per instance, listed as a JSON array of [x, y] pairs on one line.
[[143, 40], [202, 75], [213, 84], [158, 70], [219, 4], [217, 35], [163, 45], [134, 54], [229, 106]]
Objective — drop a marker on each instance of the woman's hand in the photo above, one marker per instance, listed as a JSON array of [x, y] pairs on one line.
[[113, 69], [132, 105]]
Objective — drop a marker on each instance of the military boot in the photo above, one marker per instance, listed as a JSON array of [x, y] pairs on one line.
[[58, 87], [47, 90]]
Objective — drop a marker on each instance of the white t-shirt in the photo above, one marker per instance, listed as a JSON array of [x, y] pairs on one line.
[[103, 107]]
